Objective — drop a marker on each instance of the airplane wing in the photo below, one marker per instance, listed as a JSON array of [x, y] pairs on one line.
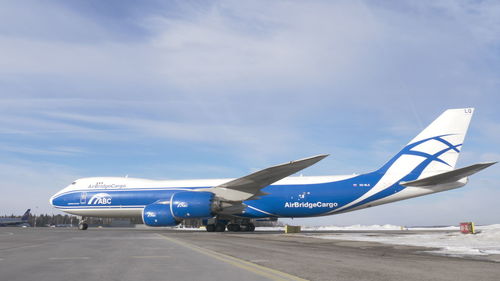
[[249, 187], [450, 176]]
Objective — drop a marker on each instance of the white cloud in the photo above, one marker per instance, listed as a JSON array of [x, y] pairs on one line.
[[261, 139], [263, 80], [279, 44], [30, 185], [63, 151]]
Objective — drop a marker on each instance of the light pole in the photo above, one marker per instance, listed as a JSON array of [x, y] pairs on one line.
[[34, 216]]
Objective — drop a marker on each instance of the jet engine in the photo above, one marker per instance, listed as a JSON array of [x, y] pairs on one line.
[[182, 205], [158, 214]]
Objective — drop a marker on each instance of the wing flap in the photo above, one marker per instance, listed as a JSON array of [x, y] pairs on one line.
[[238, 208], [448, 177]]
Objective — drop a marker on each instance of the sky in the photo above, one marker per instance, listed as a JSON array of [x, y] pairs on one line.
[[216, 89]]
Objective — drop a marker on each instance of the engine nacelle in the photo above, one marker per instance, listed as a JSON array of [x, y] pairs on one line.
[[159, 214], [189, 204], [182, 205]]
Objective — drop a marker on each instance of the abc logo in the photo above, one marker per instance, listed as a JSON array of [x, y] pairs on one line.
[[182, 205], [100, 199]]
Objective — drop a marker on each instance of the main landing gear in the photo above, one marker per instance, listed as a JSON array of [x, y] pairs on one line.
[[82, 225], [220, 226], [216, 227], [241, 227]]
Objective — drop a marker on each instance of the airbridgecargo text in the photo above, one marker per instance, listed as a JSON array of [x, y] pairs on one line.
[[310, 205]]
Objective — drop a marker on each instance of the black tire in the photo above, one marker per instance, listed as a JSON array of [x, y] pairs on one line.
[[251, 227], [83, 226], [220, 227], [244, 227], [233, 227], [210, 227]]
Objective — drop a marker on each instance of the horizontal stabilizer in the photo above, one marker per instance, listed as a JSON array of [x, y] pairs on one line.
[[451, 176]]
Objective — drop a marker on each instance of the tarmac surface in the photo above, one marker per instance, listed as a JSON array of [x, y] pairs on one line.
[[158, 254]]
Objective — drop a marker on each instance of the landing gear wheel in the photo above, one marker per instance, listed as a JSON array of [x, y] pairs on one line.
[[247, 227], [210, 227], [220, 227], [83, 226], [233, 227], [251, 227]]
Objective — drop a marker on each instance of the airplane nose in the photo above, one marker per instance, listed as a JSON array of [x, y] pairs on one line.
[[51, 200]]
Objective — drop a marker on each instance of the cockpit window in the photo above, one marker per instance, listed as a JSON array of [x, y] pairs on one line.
[[73, 182]]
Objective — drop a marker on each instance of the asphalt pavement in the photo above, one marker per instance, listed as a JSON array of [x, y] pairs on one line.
[[46, 254], [158, 254]]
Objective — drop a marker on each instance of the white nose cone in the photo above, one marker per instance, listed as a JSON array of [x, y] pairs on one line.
[[50, 201]]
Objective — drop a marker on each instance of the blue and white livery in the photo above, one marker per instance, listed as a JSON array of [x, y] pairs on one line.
[[425, 165]]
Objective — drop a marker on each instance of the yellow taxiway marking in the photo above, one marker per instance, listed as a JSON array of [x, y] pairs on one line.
[[69, 258], [252, 267], [150, 257]]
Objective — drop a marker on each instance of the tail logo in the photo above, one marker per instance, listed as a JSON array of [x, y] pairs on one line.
[[429, 156], [100, 199]]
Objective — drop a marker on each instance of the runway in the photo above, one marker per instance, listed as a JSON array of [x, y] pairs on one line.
[[144, 254]]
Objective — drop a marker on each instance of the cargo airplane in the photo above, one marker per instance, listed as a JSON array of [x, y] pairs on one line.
[[16, 221], [425, 165]]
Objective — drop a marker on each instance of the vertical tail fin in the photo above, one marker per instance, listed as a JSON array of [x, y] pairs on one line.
[[435, 150], [26, 215]]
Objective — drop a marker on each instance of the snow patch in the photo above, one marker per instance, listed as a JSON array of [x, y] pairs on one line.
[[336, 228], [448, 241]]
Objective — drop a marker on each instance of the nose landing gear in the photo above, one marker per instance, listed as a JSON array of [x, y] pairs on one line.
[[82, 225]]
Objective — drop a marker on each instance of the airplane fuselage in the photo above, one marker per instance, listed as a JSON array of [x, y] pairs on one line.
[[290, 197]]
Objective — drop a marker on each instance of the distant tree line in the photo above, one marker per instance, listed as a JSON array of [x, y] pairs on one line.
[[45, 220], [48, 220]]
